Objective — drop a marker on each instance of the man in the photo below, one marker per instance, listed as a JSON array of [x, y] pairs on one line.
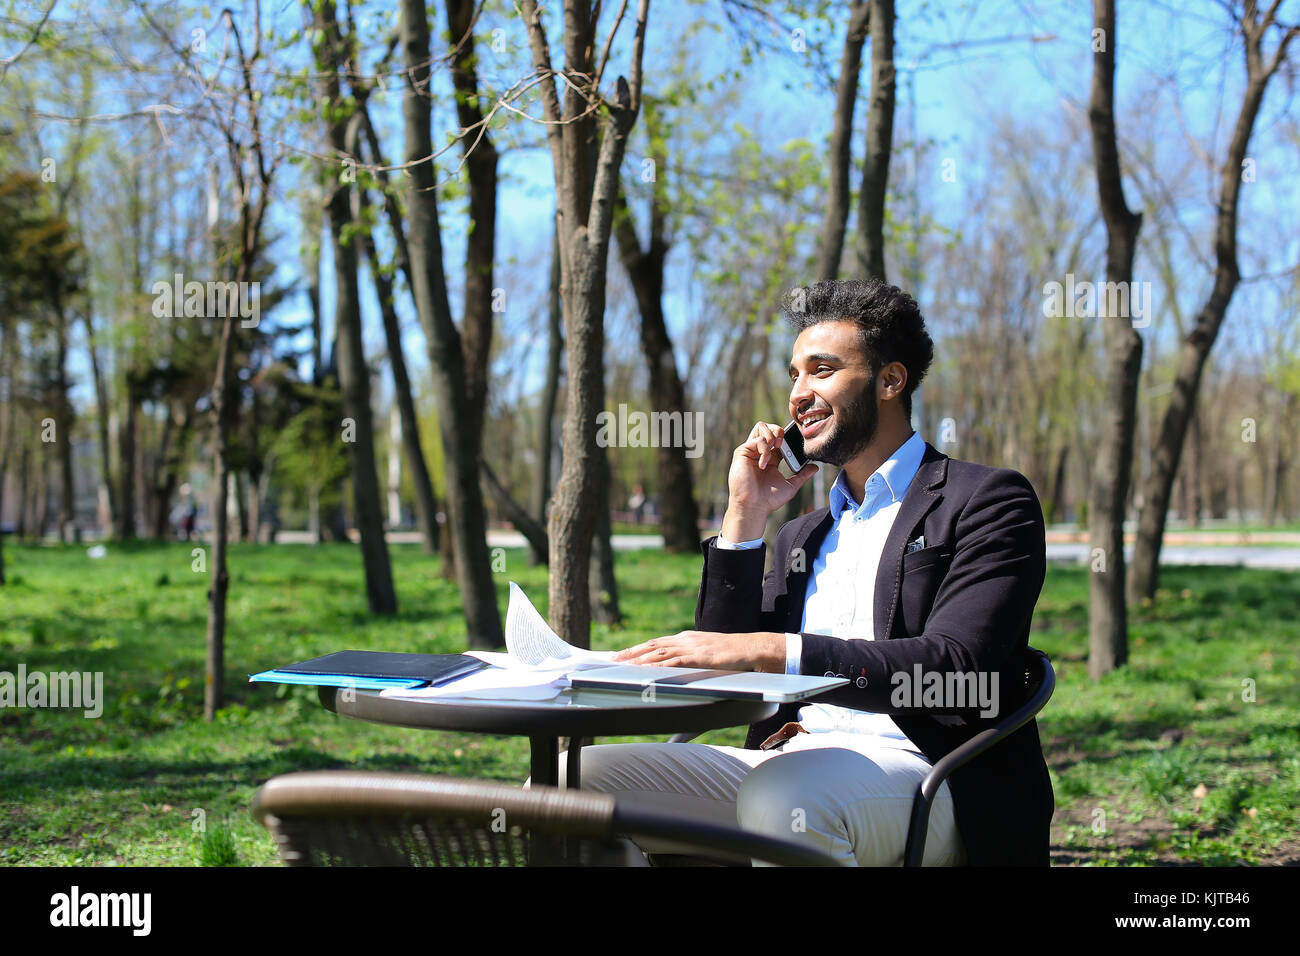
[[924, 570]]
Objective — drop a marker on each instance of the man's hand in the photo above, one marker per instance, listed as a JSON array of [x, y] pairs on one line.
[[755, 484], [761, 651]]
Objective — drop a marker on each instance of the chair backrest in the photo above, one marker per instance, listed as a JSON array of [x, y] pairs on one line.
[[347, 818], [1040, 681]]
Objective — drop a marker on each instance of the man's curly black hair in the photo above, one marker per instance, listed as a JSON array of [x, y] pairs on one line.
[[890, 323]]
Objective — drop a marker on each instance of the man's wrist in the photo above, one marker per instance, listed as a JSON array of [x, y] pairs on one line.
[[771, 657], [742, 526]]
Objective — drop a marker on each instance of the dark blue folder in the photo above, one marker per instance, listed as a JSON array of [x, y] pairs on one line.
[[373, 670]]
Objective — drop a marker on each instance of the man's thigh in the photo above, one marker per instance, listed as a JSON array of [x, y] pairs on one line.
[[695, 780], [849, 798], [853, 803]]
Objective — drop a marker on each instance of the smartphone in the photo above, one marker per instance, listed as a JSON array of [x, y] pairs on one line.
[[792, 448]]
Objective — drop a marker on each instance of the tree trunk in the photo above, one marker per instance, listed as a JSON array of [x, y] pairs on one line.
[[162, 483], [1239, 487], [125, 515], [678, 514], [600, 580], [532, 529], [223, 392], [256, 490], [587, 192], [102, 412], [241, 505], [426, 504], [880, 135], [546, 411], [67, 486], [4, 473], [336, 528], [1056, 500], [1113, 457], [1196, 345], [215, 672], [253, 469], [354, 376], [1195, 472], [24, 461], [459, 370], [1275, 464], [447, 545], [6, 440], [309, 254], [313, 516], [841, 158], [46, 512]]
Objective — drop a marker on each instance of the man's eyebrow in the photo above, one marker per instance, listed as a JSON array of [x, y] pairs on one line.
[[818, 357]]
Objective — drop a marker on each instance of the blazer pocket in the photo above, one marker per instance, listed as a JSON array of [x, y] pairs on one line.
[[923, 571], [926, 557]]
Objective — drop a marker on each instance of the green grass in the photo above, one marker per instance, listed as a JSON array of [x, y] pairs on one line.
[[1163, 762], [1169, 760]]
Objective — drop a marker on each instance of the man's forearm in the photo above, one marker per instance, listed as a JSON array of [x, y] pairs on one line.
[[762, 651]]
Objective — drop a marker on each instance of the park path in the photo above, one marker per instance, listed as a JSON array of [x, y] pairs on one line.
[[1281, 552]]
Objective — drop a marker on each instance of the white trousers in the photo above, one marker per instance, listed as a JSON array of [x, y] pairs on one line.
[[842, 793]]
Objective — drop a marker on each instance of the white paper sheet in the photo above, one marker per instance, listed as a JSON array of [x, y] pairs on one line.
[[534, 667], [531, 642]]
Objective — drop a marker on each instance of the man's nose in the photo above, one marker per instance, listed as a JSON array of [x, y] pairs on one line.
[[800, 393]]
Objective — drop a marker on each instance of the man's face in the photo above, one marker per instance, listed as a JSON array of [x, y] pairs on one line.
[[832, 381]]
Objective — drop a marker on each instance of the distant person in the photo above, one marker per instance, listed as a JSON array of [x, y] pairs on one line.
[[636, 504]]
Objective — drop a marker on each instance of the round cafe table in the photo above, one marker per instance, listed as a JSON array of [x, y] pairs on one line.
[[574, 713]]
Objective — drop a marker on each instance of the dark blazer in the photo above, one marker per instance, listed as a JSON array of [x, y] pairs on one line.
[[962, 603]]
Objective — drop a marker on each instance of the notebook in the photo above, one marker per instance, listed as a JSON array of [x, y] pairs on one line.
[[374, 670]]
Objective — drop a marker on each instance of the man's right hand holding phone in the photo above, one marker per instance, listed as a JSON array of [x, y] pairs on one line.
[[755, 483]]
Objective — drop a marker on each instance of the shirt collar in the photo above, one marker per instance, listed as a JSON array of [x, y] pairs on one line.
[[887, 484]]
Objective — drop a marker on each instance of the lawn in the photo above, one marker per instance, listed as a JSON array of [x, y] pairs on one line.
[[1190, 754]]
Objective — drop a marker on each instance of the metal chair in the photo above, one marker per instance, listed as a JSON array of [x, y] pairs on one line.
[[350, 818], [1040, 681]]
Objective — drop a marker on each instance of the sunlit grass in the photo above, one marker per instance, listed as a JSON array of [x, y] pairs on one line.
[[1164, 761]]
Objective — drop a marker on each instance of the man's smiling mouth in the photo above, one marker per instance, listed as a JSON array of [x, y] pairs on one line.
[[813, 421]]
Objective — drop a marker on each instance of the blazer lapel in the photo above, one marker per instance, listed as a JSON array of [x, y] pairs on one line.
[[920, 499]]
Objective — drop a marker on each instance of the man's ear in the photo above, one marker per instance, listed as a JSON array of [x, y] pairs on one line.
[[892, 380]]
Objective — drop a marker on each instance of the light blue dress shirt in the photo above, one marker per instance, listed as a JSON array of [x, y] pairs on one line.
[[840, 596]]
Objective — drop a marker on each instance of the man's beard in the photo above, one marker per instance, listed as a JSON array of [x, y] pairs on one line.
[[855, 426]]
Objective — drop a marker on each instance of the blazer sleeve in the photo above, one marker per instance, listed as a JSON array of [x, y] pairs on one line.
[[980, 617], [731, 591]]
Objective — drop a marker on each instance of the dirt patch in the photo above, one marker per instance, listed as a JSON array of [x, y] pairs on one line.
[[1288, 854], [1118, 840]]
